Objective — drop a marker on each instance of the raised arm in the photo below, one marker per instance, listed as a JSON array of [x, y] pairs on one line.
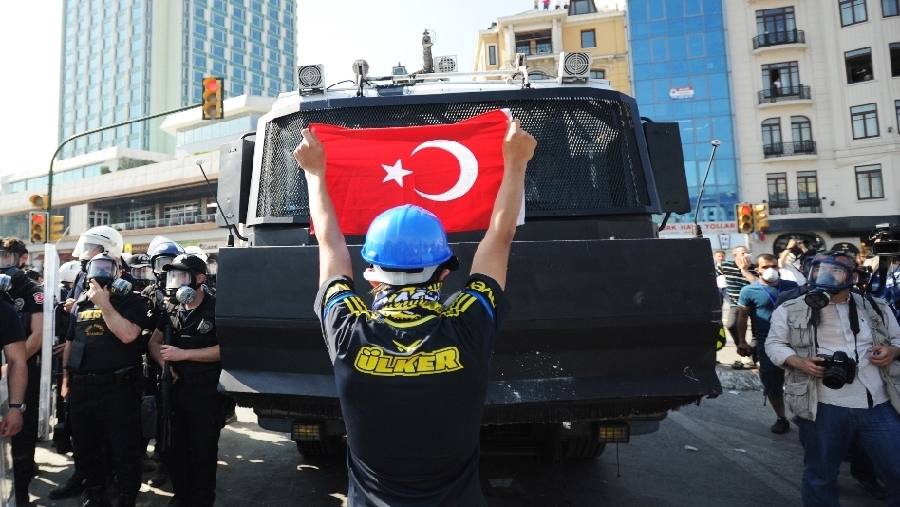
[[492, 255], [334, 258]]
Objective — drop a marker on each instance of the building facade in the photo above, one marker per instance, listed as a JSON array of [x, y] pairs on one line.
[[123, 59], [817, 96], [139, 193], [543, 34], [680, 72]]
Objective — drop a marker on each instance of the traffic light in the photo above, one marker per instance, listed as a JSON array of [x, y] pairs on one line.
[[57, 227], [744, 214], [39, 200], [212, 99], [760, 216], [38, 223]]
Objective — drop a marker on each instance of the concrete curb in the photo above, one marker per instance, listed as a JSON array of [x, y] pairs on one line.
[[738, 380]]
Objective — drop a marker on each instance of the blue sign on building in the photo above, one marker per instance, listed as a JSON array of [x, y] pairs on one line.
[[680, 74]]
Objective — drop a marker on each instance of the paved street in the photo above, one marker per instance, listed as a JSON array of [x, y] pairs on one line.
[[260, 468]]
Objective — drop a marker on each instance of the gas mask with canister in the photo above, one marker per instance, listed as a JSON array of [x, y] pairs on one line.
[[827, 277], [104, 270], [183, 280]]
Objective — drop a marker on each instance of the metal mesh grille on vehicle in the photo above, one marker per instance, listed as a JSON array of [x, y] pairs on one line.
[[587, 161]]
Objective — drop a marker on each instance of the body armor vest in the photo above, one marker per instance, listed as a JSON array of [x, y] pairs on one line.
[[96, 349], [194, 330]]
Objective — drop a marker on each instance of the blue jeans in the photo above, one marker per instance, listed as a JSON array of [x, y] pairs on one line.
[[827, 440]]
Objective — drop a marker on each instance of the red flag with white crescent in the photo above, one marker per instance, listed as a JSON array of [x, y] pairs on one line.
[[452, 170]]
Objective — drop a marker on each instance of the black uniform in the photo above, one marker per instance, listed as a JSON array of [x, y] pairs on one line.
[[11, 330], [196, 405], [412, 379], [28, 298], [105, 396]]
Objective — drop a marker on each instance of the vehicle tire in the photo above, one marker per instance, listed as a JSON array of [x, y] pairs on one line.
[[582, 448], [321, 448]]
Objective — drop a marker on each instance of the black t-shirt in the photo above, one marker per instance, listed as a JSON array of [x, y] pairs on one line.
[[10, 326], [412, 378], [28, 298]]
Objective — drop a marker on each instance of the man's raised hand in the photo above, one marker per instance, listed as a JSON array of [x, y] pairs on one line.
[[311, 154], [518, 147]]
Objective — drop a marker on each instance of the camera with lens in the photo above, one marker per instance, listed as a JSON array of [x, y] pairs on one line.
[[839, 369], [889, 236]]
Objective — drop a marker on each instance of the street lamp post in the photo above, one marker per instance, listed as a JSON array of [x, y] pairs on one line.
[[94, 131]]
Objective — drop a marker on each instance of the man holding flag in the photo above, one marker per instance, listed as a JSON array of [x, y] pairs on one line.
[[412, 373]]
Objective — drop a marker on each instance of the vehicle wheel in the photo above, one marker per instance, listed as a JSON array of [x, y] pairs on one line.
[[321, 448], [582, 448]]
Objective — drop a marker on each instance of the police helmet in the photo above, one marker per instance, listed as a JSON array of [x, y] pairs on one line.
[[8, 259], [196, 251], [405, 245], [164, 253], [69, 271], [100, 239], [140, 267]]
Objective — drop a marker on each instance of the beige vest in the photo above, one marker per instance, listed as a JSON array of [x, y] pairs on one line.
[[800, 393]]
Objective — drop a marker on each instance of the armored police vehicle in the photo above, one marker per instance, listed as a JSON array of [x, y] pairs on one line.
[[611, 326]]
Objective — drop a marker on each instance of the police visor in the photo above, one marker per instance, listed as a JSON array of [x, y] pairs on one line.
[[8, 259], [103, 268]]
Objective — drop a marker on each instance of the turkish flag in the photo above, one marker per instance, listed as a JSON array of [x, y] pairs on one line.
[[452, 170]]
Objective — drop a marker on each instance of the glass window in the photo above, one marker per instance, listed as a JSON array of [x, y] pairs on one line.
[[801, 129], [182, 210], [218, 50], [852, 11], [239, 43], [256, 21], [695, 45], [492, 55], [774, 23], [240, 13], [807, 188], [864, 119], [219, 36], [897, 111], [200, 29], [255, 64], [237, 58], [598, 74], [778, 193], [859, 65], [588, 39], [895, 59], [771, 134], [273, 71], [239, 74], [868, 182], [237, 89], [890, 8], [255, 35], [237, 27], [218, 19], [200, 60], [200, 45]]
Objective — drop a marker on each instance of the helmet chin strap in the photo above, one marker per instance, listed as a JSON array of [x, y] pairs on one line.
[[376, 274]]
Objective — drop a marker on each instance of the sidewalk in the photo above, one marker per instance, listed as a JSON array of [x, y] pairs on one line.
[[731, 379]]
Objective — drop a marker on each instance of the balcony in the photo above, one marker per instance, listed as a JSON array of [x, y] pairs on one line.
[[784, 94], [793, 149], [769, 40], [792, 207], [137, 225]]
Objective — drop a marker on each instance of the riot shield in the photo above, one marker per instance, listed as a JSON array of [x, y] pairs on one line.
[[46, 415]]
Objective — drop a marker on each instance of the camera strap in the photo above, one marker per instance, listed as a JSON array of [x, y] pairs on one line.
[[853, 315]]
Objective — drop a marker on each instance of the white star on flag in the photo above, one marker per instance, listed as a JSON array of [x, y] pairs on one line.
[[395, 172]]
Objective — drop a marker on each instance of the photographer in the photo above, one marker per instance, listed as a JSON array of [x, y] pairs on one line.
[[838, 350]]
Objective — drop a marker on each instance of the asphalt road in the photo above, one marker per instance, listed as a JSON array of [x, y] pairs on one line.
[[261, 468]]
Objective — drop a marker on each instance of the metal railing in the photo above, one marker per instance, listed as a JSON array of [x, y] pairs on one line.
[[135, 225], [789, 149], [785, 93], [795, 206], [779, 38]]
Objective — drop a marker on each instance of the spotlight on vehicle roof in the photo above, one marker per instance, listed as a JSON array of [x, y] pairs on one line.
[[361, 68]]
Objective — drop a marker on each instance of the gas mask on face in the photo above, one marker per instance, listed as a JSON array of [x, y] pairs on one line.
[[770, 275], [182, 285], [827, 277], [103, 269]]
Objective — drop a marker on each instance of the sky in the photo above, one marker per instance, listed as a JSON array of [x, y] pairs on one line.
[[330, 32]]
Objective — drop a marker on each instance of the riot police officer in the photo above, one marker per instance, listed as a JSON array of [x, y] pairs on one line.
[[196, 405], [12, 339], [103, 361], [94, 241], [28, 298], [161, 251]]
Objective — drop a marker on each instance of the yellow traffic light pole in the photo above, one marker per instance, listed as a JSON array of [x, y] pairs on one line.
[[94, 131]]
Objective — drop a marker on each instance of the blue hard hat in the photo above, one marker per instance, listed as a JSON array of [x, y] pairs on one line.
[[406, 237]]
